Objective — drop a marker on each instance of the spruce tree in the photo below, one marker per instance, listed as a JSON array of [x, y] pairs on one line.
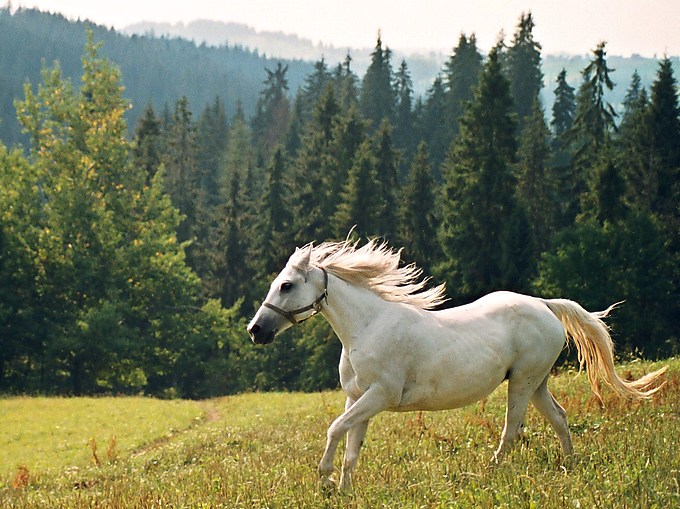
[[563, 109], [272, 116], [181, 173], [664, 118], [461, 72], [148, 143], [212, 132], [377, 100], [523, 62], [433, 124], [591, 132], [417, 213], [481, 218], [361, 202], [537, 181], [387, 162], [347, 84], [404, 118]]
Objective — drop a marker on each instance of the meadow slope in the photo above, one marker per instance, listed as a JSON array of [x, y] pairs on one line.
[[261, 450]]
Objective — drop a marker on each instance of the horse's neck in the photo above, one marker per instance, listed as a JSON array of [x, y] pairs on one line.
[[350, 310]]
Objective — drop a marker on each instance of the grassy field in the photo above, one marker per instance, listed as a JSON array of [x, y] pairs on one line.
[[261, 450]]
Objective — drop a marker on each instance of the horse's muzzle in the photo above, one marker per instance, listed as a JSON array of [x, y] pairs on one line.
[[260, 336]]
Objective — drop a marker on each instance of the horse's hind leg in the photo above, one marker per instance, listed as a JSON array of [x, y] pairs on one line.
[[555, 414], [520, 389]]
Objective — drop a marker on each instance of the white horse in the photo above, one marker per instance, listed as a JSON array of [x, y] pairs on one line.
[[400, 355]]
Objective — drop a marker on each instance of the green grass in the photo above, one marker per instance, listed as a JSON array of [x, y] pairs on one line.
[[261, 450]]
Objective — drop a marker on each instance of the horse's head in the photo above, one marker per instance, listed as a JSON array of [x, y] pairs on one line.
[[296, 294]]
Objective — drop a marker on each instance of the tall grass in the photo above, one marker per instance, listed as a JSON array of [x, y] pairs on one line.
[[261, 450]]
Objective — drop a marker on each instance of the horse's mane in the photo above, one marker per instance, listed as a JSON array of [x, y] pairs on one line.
[[376, 266]]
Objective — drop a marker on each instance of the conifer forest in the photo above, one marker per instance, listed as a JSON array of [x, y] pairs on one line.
[[132, 255]]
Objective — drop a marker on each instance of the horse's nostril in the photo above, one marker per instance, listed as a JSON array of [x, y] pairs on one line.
[[254, 329]]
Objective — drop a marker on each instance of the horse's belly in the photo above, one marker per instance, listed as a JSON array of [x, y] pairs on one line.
[[446, 394]]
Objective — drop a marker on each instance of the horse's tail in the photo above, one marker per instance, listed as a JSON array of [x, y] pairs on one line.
[[595, 349]]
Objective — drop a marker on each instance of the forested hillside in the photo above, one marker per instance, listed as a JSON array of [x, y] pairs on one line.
[[156, 70], [129, 263]]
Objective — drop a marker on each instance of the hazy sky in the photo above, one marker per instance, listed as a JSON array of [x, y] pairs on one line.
[[647, 27]]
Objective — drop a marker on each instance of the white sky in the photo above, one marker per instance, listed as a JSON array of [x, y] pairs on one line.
[[646, 27]]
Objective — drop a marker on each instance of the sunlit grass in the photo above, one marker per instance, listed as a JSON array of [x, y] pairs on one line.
[[261, 450], [47, 435]]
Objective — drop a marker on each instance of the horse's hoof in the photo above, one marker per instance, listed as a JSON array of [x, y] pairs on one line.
[[328, 486]]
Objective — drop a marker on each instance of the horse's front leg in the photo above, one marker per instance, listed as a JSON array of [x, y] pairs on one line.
[[373, 401], [355, 439]]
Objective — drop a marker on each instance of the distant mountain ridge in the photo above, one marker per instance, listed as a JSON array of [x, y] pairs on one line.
[[423, 67], [218, 33], [160, 70]]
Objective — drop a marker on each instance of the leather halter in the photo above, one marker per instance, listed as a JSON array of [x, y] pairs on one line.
[[316, 305]]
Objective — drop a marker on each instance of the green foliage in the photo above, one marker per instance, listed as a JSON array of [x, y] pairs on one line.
[[627, 260], [130, 265], [523, 61], [484, 230]]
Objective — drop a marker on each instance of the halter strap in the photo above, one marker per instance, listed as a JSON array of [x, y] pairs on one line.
[[316, 305]]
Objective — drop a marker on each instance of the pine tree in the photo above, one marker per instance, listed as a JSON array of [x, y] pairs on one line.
[[591, 132], [181, 174], [274, 243], [563, 109], [634, 144], [147, 148], [347, 84], [594, 119], [537, 182], [481, 218], [433, 122], [404, 118], [462, 72], [417, 218], [377, 100], [664, 118], [212, 132], [307, 178], [523, 61], [387, 162], [272, 117], [361, 203]]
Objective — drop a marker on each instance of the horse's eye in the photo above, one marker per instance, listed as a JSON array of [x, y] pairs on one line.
[[285, 287]]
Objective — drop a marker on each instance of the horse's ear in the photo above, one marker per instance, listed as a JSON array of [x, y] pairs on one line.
[[305, 255]]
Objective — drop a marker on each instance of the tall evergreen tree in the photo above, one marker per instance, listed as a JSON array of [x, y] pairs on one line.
[[404, 118], [387, 162], [484, 232], [307, 177], [147, 148], [462, 72], [272, 116], [594, 123], [361, 203], [417, 214], [537, 181], [347, 84], [377, 100], [181, 173], [523, 61], [274, 241], [212, 131], [563, 109], [433, 124], [594, 118], [664, 117], [634, 143]]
